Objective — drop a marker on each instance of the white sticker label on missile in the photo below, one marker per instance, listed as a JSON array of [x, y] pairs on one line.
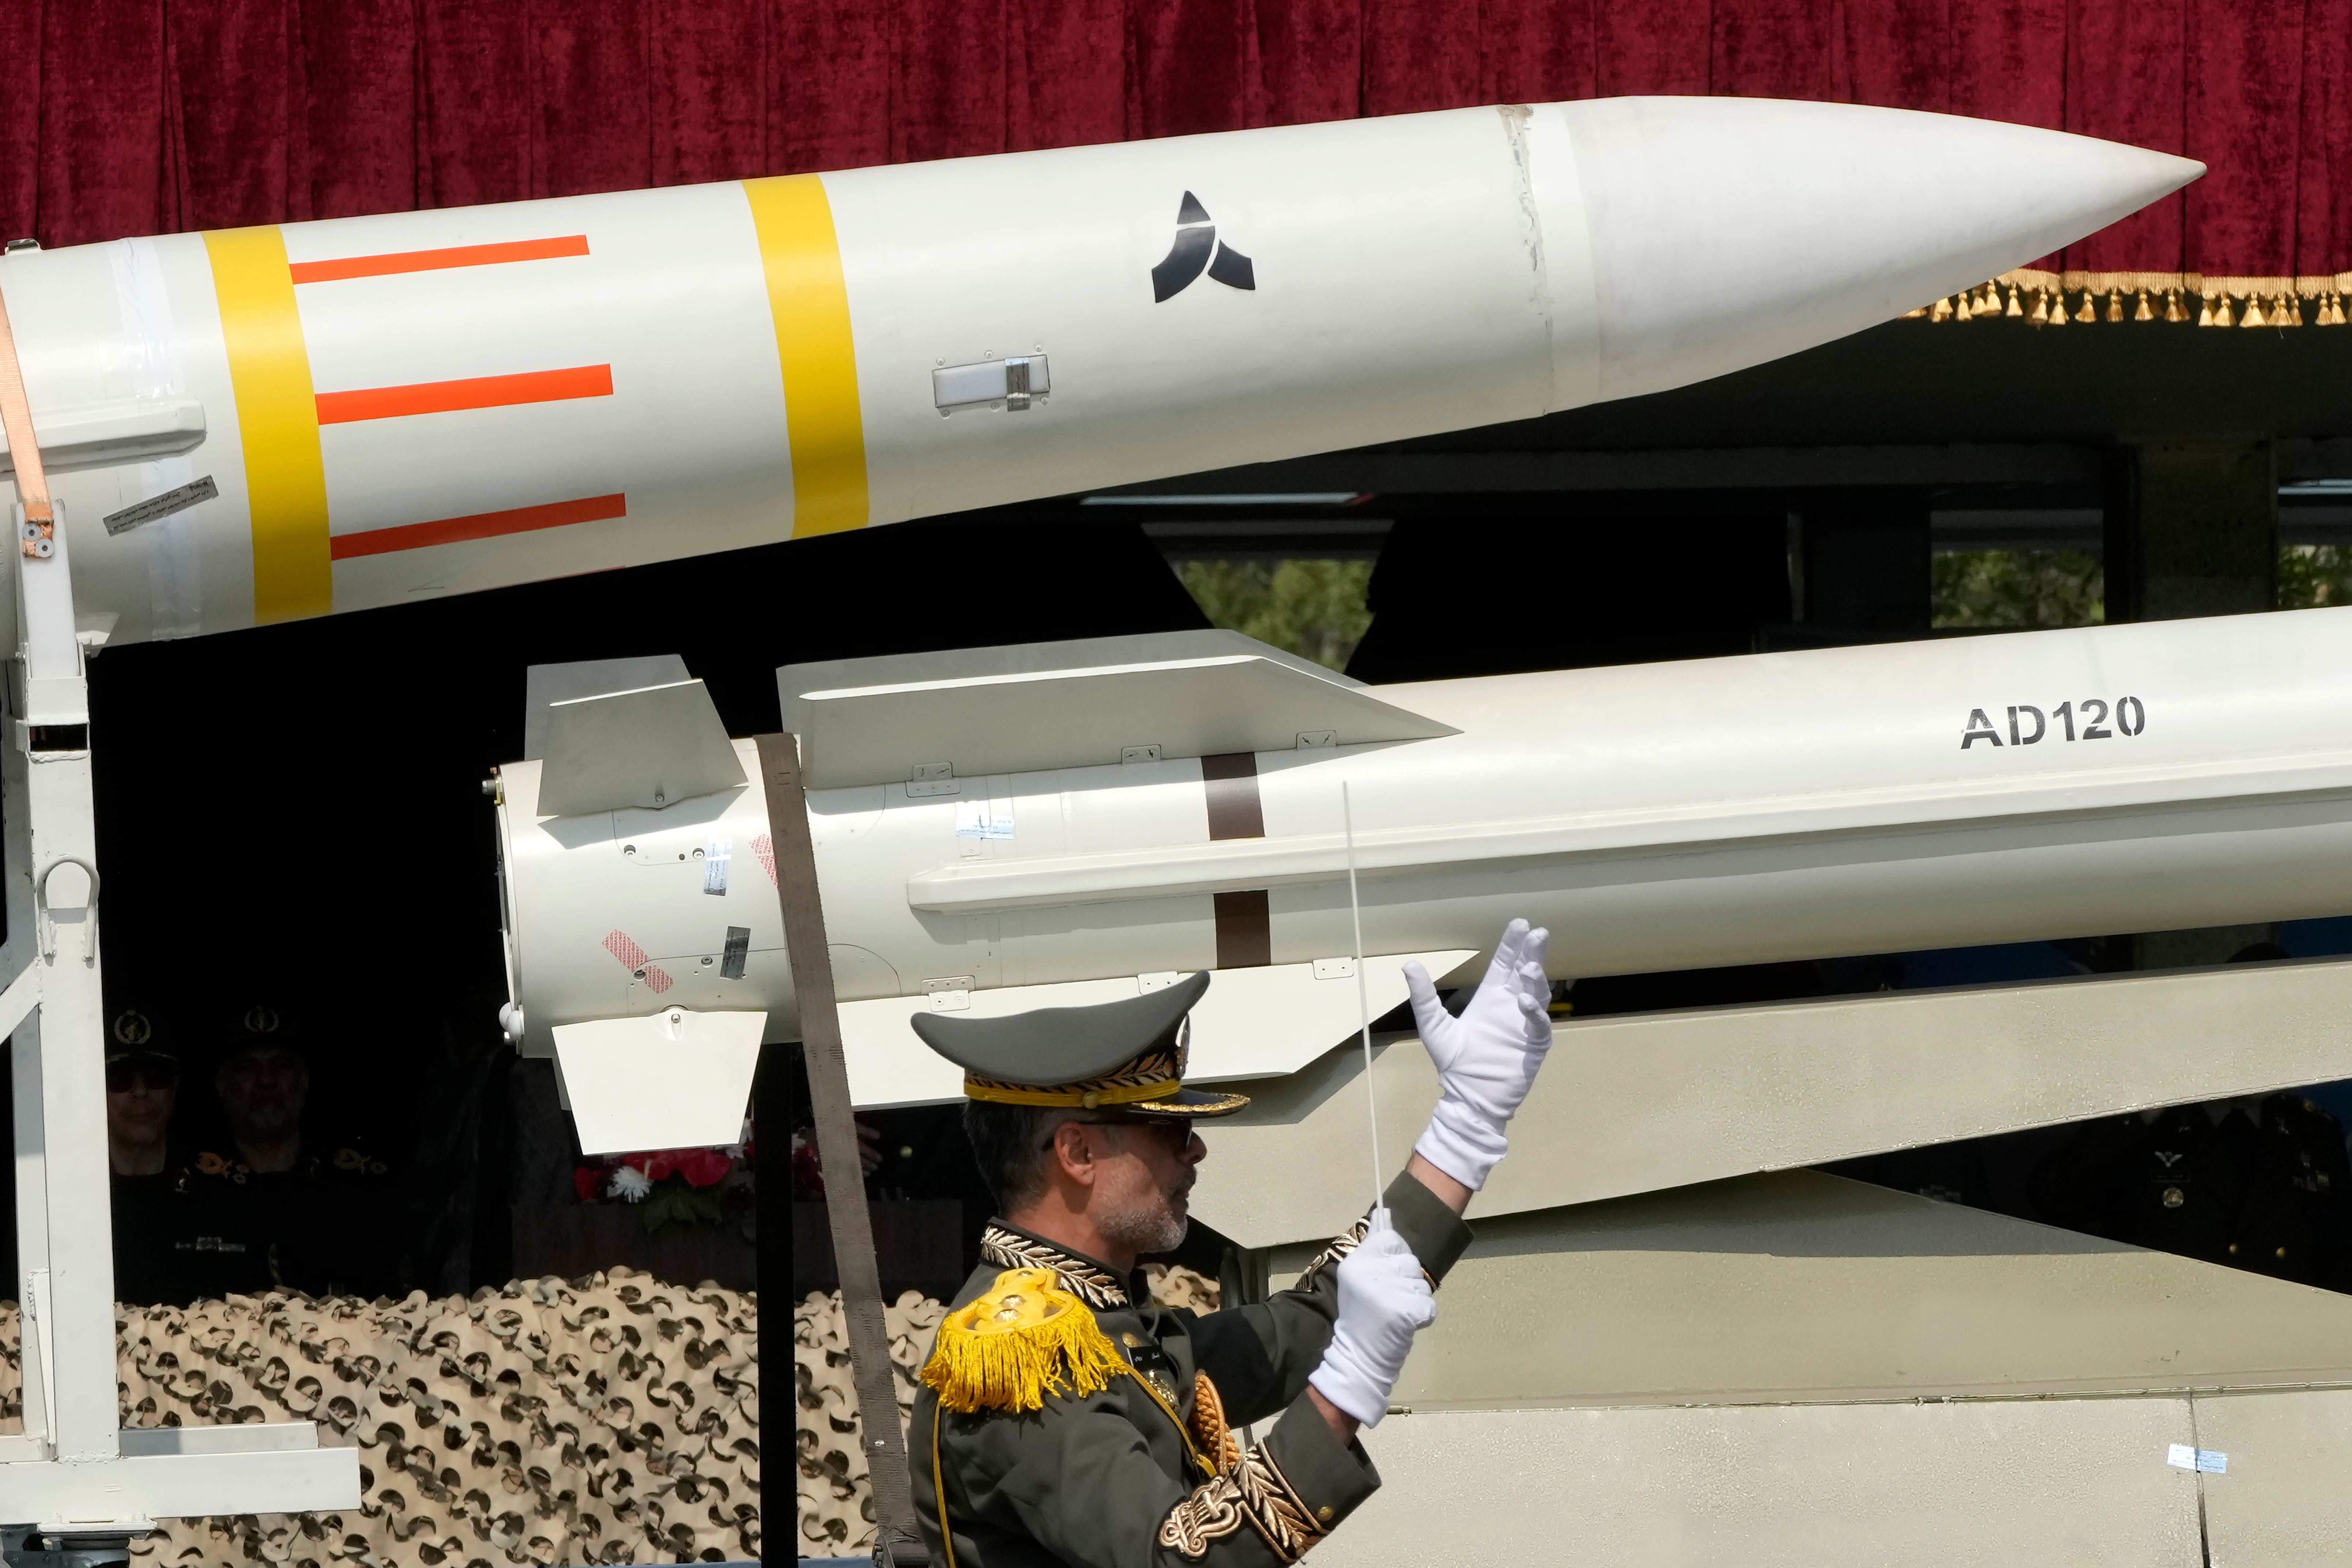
[[714, 865], [972, 821], [158, 507], [2207, 1461]]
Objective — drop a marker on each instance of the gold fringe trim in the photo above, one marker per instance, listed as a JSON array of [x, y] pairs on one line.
[[2051, 299], [1025, 1337]]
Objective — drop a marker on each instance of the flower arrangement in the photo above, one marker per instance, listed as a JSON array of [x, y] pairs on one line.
[[682, 1186]]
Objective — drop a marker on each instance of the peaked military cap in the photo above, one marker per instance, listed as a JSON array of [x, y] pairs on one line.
[[1130, 1053], [133, 1046]]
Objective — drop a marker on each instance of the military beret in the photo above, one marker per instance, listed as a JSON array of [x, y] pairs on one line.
[[1130, 1053]]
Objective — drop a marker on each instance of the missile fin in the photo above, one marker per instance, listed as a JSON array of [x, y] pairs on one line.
[[675, 1080], [1078, 704], [1256, 1023], [547, 684], [652, 747]]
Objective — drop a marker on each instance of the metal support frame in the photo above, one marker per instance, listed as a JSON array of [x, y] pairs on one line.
[[897, 1538], [72, 1481]]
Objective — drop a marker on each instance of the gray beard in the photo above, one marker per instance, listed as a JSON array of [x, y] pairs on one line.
[[1146, 1229]]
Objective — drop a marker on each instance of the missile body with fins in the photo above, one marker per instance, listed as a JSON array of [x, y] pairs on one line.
[[259, 425], [1004, 828]]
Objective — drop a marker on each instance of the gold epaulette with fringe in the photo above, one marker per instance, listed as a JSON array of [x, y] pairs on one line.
[[1023, 1338]]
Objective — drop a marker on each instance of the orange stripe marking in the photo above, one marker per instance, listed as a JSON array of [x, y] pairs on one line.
[[394, 262], [473, 392], [481, 525]]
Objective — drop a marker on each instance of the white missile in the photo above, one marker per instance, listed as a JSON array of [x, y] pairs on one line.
[[263, 424], [1003, 828]]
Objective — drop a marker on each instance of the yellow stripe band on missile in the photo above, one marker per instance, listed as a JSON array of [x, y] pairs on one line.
[[810, 304], [277, 419]]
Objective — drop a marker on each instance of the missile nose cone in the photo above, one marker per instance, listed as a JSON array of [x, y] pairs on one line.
[[1726, 232]]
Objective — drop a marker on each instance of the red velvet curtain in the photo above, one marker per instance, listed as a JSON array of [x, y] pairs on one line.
[[137, 116]]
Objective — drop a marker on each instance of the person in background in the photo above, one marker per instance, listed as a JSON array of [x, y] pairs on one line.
[[2260, 1182], [264, 1084], [171, 1242], [315, 1213], [143, 1089]]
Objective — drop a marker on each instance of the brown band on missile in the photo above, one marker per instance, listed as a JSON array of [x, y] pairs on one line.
[[1245, 921], [1235, 809], [1244, 931]]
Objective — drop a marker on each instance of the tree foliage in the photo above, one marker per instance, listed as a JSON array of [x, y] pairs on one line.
[[2018, 590], [1312, 608], [2312, 575], [1316, 608]]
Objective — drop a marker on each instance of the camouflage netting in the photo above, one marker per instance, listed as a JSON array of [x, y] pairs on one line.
[[836, 1503], [1173, 1285], [610, 1419]]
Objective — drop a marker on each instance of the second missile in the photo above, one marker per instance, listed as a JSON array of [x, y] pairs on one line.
[[259, 425], [1003, 828]]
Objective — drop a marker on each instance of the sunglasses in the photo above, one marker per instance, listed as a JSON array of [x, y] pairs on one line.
[[1176, 1134]]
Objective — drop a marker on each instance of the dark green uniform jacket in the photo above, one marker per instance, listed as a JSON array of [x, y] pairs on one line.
[[1116, 1478], [2270, 1191]]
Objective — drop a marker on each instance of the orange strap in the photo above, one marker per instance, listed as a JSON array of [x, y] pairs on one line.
[[24, 450]]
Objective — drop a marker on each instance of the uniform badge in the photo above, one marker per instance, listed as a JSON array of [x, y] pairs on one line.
[[1151, 1364]]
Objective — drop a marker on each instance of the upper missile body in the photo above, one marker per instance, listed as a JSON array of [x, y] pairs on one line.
[[262, 423], [997, 827]]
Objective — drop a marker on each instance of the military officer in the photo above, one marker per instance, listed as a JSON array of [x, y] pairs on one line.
[[174, 1241], [1065, 1417], [311, 1214]]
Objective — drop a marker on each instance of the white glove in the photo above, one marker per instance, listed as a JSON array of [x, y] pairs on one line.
[[1384, 1299], [1487, 1057]]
